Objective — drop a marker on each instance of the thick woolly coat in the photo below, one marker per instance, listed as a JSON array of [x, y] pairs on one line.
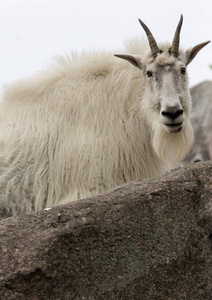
[[84, 125]]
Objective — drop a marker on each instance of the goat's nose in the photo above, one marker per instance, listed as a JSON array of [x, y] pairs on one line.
[[172, 113]]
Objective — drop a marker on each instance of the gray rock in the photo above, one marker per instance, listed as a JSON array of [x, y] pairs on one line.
[[143, 240], [202, 122]]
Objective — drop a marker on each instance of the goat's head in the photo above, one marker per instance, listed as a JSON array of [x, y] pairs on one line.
[[166, 81]]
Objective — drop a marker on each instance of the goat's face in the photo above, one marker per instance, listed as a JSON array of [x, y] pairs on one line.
[[167, 93], [165, 79]]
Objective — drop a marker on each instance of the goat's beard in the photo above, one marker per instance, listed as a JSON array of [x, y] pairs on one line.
[[172, 147]]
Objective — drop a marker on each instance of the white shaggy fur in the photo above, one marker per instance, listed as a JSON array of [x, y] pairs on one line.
[[83, 126]]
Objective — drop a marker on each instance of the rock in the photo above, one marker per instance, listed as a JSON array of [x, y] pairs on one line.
[[142, 240], [202, 122]]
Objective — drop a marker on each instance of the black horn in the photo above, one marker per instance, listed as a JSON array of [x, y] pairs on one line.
[[176, 40], [152, 42]]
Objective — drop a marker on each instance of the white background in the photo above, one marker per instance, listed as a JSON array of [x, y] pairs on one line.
[[32, 32]]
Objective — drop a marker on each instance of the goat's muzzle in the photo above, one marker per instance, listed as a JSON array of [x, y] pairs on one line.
[[173, 118]]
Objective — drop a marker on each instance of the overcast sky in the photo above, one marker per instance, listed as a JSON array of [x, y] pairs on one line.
[[32, 32]]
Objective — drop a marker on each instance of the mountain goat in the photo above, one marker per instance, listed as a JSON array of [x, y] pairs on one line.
[[94, 121]]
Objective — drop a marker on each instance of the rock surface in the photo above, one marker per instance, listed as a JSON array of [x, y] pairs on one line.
[[202, 122], [143, 240]]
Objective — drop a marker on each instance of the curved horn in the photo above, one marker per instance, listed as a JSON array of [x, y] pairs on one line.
[[176, 40], [152, 42]]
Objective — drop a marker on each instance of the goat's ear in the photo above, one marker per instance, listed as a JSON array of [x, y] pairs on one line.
[[133, 59], [190, 54]]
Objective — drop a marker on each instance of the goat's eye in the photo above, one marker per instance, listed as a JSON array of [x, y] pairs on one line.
[[149, 73], [183, 70]]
